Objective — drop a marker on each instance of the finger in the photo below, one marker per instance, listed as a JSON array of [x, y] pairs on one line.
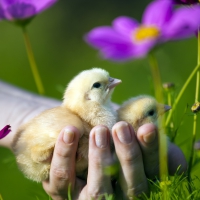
[[133, 177], [98, 182], [62, 172], [147, 136]]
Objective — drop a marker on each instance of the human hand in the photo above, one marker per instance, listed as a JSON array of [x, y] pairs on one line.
[[62, 172], [138, 155], [138, 158], [147, 136]]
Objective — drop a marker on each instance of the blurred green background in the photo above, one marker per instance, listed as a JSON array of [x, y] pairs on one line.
[[60, 51]]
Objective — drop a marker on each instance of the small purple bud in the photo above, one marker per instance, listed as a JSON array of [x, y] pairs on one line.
[[5, 131]]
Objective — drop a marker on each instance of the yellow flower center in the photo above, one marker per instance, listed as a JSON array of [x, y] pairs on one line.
[[144, 32]]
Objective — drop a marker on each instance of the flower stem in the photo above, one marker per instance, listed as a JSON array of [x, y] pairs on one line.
[[195, 119], [181, 93], [156, 77], [198, 72], [32, 62], [162, 137], [169, 98]]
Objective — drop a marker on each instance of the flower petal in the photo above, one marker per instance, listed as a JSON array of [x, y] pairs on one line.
[[22, 9], [186, 2], [184, 23], [2, 15], [158, 12], [118, 52], [5, 3], [125, 25], [127, 52], [142, 49], [41, 5], [5, 131], [103, 36]]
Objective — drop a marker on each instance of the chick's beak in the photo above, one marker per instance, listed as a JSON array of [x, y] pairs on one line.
[[113, 82], [163, 109]]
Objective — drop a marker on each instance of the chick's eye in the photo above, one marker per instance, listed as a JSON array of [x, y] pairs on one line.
[[97, 85], [151, 112]]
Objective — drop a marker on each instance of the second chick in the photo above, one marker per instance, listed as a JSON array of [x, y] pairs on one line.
[[141, 110]]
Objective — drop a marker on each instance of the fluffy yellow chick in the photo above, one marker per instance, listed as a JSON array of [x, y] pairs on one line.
[[140, 110], [86, 104]]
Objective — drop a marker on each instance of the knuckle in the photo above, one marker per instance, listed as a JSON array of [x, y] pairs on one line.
[[62, 151], [132, 157], [96, 160], [62, 174], [97, 163]]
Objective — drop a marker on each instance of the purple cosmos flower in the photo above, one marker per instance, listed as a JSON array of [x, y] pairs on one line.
[[5, 131], [127, 39], [186, 2], [22, 9]]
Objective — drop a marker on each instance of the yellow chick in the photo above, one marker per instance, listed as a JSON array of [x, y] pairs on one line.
[[140, 110], [86, 104]]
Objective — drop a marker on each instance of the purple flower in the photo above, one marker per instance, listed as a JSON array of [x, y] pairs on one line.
[[127, 39], [22, 9], [5, 131], [186, 2]]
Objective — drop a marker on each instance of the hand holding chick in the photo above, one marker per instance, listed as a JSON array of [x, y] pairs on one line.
[[86, 104], [57, 185]]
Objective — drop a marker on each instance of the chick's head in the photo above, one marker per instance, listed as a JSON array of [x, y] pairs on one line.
[[90, 86], [140, 110]]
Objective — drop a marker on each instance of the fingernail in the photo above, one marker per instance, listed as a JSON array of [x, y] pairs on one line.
[[68, 136], [101, 137], [123, 134], [150, 137]]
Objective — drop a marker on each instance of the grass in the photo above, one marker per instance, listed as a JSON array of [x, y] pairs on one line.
[[175, 188]]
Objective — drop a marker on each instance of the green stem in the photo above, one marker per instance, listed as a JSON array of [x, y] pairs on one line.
[[163, 153], [156, 77], [169, 102], [181, 93], [198, 72], [190, 164], [169, 98], [197, 85], [162, 137], [32, 62]]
